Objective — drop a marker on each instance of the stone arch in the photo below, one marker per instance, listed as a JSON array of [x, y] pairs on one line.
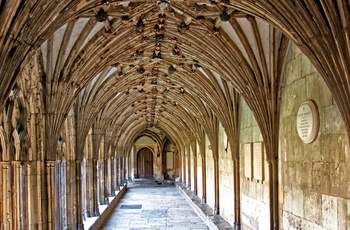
[[20, 134]]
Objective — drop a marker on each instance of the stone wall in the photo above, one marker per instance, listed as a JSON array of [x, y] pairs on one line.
[[199, 173], [209, 173], [314, 177], [192, 156], [255, 212], [226, 189]]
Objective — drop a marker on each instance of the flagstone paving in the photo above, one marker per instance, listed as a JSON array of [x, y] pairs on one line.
[[156, 208]]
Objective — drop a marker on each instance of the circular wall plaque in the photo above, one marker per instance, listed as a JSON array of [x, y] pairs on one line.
[[308, 121]]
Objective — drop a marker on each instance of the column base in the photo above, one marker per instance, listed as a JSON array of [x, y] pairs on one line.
[[236, 225], [216, 211], [204, 200], [80, 226], [96, 212], [86, 213]]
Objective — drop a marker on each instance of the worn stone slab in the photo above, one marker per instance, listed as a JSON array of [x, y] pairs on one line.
[[161, 208]]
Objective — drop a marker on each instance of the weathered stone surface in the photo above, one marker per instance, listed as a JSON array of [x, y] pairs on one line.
[[313, 174], [162, 208], [329, 212]]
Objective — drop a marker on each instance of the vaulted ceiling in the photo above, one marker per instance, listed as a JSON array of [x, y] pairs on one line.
[[171, 67]]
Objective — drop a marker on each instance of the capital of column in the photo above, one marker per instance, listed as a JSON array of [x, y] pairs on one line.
[[5, 164], [50, 163]]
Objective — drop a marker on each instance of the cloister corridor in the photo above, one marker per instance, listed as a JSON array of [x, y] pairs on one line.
[[154, 207], [241, 108]]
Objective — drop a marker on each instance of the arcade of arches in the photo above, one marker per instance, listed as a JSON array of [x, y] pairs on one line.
[[206, 92]]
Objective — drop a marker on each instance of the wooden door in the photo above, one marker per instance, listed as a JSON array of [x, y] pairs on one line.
[[145, 163]]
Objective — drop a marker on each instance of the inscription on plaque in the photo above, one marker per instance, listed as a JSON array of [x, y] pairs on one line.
[[307, 121], [258, 161], [247, 149]]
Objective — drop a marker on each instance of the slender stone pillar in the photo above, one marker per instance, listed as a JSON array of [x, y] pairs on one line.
[[85, 189], [204, 170], [71, 191], [79, 216], [89, 178], [95, 208], [216, 186], [51, 191], [117, 172], [57, 184], [237, 194], [109, 176], [60, 205], [112, 176], [273, 187], [122, 170], [188, 154], [194, 155], [183, 158], [105, 178], [5, 195], [215, 149], [119, 176], [101, 181], [16, 194]]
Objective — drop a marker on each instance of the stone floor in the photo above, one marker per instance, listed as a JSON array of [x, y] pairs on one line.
[[161, 206]]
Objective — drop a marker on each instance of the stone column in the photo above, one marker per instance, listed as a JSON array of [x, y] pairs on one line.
[[5, 195], [51, 191], [94, 187], [204, 170], [84, 189], [112, 178], [89, 178], [105, 178], [188, 154], [118, 173], [237, 194], [194, 150], [216, 186], [71, 191], [122, 171], [273, 189], [25, 203], [57, 205], [16, 194], [183, 162], [125, 165], [79, 214], [215, 149], [100, 171]]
